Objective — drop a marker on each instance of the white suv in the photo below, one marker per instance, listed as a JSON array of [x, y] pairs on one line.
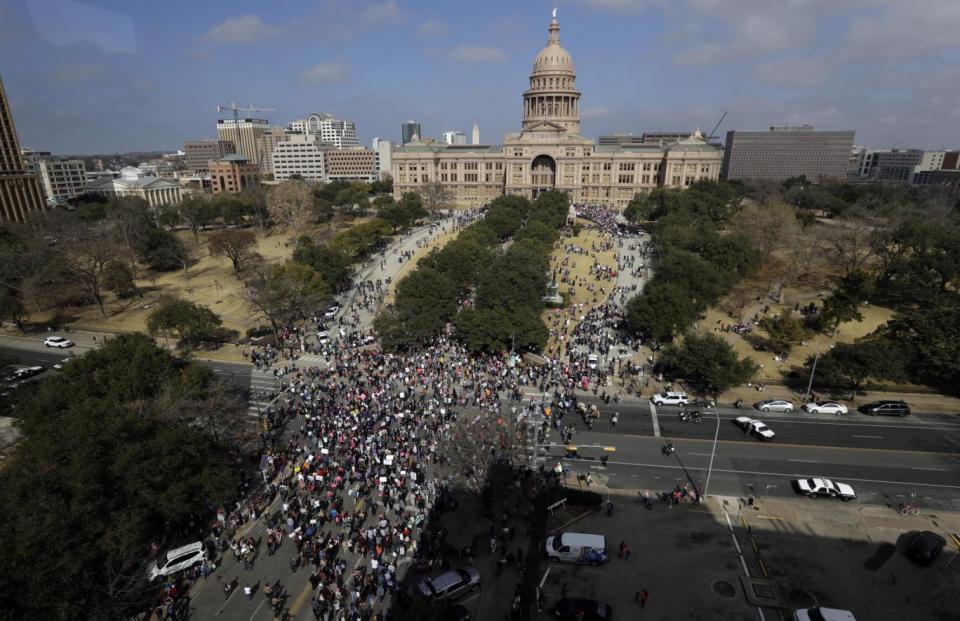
[[670, 398], [172, 561], [57, 341]]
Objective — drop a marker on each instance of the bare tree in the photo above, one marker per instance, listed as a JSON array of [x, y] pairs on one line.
[[769, 226], [235, 244], [850, 245], [436, 196], [291, 203]]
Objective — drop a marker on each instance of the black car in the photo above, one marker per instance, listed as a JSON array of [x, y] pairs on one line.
[[924, 547], [592, 610], [886, 408]]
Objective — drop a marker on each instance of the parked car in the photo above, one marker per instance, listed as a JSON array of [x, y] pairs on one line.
[[332, 311], [670, 398], [820, 613], [824, 488], [323, 338], [754, 427], [592, 361], [924, 547], [774, 405], [885, 408], [57, 341], [63, 362], [178, 559], [451, 584], [582, 609], [825, 407]]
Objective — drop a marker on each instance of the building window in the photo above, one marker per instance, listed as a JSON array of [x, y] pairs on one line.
[[607, 165]]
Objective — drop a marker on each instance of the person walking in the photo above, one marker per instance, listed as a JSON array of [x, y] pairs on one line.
[[642, 597]]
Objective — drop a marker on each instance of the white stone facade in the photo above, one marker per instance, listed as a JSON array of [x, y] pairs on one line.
[[550, 154]]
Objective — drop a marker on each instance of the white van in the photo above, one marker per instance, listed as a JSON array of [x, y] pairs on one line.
[[822, 614], [577, 548]]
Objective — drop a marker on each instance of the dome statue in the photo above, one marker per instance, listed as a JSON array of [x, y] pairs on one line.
[[553, 57]]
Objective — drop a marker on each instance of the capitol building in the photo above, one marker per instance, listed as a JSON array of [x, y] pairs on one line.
[[550, 154]]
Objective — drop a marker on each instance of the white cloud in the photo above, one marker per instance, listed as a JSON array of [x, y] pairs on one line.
[[327, 73], [381, 11], [242, 29], [432, 28], [478, 54], [906, 30]]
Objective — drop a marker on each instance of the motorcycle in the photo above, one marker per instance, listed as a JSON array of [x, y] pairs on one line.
[[690, 417], [738, 403]]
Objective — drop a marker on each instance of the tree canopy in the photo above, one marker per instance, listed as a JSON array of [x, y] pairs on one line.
[[707, 362], [102, 471]]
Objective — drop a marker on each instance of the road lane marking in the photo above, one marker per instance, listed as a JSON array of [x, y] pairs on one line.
[[805, 461], [303, 597], [922, 468], [873, 437], [865, 449], [701, 454], [258, 608], [790, 475], [656, 422]]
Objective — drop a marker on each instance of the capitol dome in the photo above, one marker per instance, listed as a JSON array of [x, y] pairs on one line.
[[553, 97], [553, 57]]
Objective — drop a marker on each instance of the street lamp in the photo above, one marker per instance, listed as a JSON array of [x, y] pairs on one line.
[[669, 449]]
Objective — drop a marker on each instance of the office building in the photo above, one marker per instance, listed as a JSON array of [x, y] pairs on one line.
[[862, 161], [134, 182], [550, 154], [383, 156], [20, 190], [452, 137], [408, 130], [896, 165], [233, 174], [62, 179], [331, 130], [475, 137], [244, 134], [266, 144], [358, 164], [301, 155], [199, 153], [785, 152]]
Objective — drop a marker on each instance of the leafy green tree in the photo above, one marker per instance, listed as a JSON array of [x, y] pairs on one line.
[[701, 280], [284, 294], [784, 331], [99, 474], [707, 362], [198, 213], [425, 301], [517, 279], [494, 330], [854, 365], [638, 209], [461, 260], [191, 323], [383, 186], [661, 312], [839, 307], [235, 244], [163, 251], [332, 264], [360, 239], [353, 200], [929, 336], [234, 208]]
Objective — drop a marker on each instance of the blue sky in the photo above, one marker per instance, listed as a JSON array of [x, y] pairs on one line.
[[103, 77]]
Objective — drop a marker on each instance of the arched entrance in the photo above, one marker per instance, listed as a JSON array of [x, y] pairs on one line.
[[543, 174]]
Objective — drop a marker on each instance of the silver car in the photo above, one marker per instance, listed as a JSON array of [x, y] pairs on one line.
[[451, 584], [774, 405]]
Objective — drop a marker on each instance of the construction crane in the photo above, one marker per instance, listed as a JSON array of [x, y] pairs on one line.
[[233, 107], [714, 130]]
